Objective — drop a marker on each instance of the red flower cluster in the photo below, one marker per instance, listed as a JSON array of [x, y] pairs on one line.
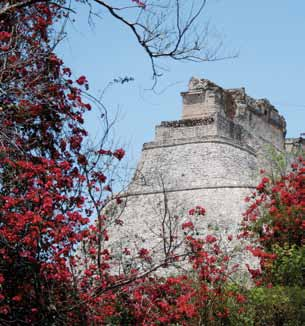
[[276, 216], [5, 36], [283, 205], [119, 153], [49, 189], [198, 210], [81, 80]]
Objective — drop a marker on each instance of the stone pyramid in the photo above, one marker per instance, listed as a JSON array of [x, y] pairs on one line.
[[211, 157]]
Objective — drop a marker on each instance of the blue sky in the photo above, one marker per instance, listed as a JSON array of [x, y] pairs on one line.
[[268, 34]]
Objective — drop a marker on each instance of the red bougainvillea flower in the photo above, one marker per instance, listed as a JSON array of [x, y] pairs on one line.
[[119, 153], [188, 225], [198, 210], [81, 80]]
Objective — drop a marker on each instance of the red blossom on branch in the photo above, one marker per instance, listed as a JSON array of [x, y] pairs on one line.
[[119, 153], [81, 80]]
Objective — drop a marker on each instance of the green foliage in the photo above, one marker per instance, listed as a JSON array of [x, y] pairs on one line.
[[277, 161], [289, 267], [280, 162], [276, 306]]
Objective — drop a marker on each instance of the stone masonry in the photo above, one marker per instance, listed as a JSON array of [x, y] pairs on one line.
[[211, 157]]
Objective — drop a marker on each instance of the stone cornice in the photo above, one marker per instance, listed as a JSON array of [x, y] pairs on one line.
[[197, 140]]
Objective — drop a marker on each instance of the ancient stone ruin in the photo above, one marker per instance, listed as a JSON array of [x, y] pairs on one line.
[[211, 157]]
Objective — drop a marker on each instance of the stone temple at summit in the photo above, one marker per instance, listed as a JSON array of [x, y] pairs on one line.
[[210, 157]]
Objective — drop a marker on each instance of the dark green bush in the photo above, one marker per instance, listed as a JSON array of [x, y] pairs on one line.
[[277, 306]]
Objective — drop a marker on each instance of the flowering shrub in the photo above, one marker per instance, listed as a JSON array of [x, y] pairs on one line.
[[276, 216], [200, 294], [283, 219], [275, 223], [48, 186]]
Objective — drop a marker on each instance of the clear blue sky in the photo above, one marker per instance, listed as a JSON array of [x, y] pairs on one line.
[[270, 38]]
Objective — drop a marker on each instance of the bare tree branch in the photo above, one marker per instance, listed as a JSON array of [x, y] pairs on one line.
[[169, 31]]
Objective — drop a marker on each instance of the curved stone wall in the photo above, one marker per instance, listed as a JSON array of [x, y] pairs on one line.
[[215, 173], [208, 163], [150, 218]]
